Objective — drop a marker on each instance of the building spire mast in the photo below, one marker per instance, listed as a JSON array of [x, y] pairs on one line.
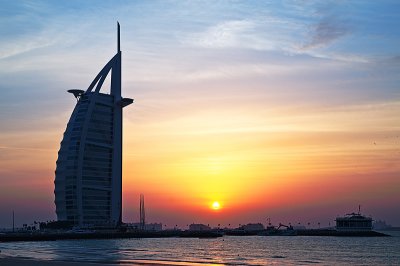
[[119, 45]]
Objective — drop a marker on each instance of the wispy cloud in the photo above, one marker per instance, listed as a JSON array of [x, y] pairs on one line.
[[321, 30], [280, 35], [230, 34], [343, 57], [24, 45], [325, 32]]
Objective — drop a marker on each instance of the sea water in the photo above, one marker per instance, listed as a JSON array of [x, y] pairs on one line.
[[227, 250]]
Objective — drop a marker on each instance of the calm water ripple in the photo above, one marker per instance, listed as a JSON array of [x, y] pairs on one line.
[[229, 250]]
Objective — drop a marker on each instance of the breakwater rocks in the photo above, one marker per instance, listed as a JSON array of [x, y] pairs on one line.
[[52, 236], [330, 232], [47, 236]]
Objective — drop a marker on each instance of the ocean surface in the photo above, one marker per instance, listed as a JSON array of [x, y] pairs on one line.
[[228, 250]]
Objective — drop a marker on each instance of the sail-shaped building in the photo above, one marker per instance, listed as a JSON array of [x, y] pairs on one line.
[[88, 176]]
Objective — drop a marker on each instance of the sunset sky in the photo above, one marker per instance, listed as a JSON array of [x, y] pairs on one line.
[[288, 110]]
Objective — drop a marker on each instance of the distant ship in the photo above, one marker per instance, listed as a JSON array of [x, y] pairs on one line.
[[354, 222]]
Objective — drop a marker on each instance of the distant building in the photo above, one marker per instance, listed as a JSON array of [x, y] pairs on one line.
[[252, 227], [354, 222], [199, 227], [88, 176], [381, 225], [153, 227], [299, 227], [147, 227]]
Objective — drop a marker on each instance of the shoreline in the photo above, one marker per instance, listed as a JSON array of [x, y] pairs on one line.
[[53, 236], [7, 260], [17, 261], [42, 236]]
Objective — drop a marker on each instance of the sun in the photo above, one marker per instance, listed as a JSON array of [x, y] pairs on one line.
[[215, 205]]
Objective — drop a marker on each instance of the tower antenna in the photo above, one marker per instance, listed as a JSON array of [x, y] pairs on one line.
[[142, 213], [119, 43]]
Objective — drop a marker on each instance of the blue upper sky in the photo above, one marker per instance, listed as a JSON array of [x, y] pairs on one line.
[[39, 37], [340, 50]]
